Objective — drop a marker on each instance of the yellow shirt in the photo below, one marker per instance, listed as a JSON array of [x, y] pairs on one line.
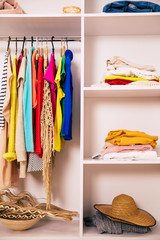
[[127, 137], [58, 140], [11, 155], [134, 79]]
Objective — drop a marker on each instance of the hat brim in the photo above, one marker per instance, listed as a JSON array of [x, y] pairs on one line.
[[142, 218]]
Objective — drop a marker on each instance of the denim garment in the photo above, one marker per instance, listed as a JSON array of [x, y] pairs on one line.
[[131, 6]]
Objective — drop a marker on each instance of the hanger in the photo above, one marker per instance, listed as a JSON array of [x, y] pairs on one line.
[[9, 40], [42, 47], [46, 48], [67, 43], [16, 47], [64, 49], [52, 44], [61, 49], [25, 52], [32, 41], [25, 49], [38, 49], [45, 63], [22, 51]]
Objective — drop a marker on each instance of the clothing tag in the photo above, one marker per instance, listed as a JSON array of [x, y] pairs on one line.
[[132, 6], [96, 155]]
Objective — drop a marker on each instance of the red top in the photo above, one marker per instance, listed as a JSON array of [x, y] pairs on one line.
[[40, 86]]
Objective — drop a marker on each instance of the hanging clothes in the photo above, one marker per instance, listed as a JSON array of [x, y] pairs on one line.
[[3, 89], [8, 170], [35, 163], [40, 86], [58, 141], [20, 138], [11, 155], [47, 138], [67, 123], [62, 83], [27, 104], [50, 77], [34, 80]]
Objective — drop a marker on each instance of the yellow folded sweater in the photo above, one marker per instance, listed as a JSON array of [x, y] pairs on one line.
[[127, 137], [134, 79]]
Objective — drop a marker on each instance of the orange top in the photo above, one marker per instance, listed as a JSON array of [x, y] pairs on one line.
[[34, 79]]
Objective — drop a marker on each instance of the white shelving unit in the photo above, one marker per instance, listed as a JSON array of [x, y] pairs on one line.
[[79, 181], [132, 36]]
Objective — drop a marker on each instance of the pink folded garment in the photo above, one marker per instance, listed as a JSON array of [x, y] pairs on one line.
[[10, 7], [124, 149], [11, 2], [1, 5]]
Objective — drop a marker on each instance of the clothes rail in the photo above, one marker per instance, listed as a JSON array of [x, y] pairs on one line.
[[43, 39]]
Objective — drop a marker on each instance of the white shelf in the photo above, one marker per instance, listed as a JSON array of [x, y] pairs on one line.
[[42, 25], [40, 15], [45, 229], [90, 161], [91, 232], [122, 24], [122, 91]]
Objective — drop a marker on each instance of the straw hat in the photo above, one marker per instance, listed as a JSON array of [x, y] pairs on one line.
[[124, 209]]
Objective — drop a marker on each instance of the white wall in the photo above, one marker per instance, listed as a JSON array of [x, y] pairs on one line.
[[47, 6]]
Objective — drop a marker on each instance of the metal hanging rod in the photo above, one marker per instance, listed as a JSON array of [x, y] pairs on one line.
[[43, 39]]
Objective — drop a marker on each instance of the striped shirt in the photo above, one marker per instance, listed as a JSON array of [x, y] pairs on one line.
[[3, 89]]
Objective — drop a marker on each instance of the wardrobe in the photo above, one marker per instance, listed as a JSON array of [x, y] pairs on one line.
[[78, 181]]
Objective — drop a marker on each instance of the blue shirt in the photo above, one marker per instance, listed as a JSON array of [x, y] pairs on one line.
[[67, 123], [27, 104]]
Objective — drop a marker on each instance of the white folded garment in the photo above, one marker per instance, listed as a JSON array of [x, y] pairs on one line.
[[137, 155], [100, 85], [144, 83], [132, 72]]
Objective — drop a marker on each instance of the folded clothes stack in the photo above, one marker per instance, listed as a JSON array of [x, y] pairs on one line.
[[131, 6], [122, 216], [128, 145], [121, 72]]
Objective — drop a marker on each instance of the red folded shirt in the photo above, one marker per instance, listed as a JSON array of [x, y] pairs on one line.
[[122, 81], [117, 81]]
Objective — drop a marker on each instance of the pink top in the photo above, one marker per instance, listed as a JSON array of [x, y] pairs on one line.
[[125, 149], [50, 77]]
